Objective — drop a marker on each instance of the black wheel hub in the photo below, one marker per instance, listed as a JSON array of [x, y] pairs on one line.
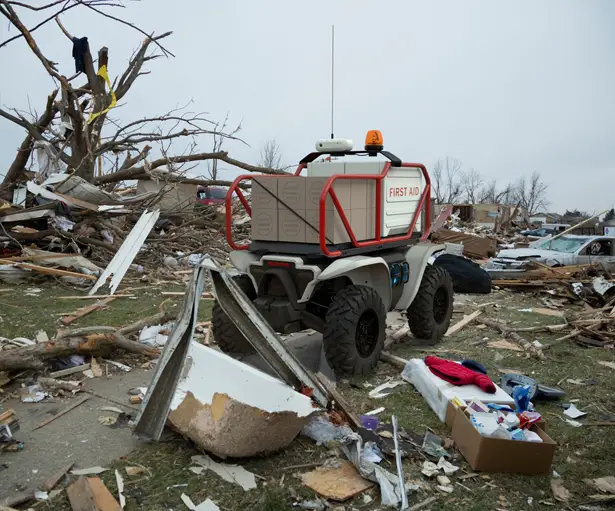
[[366, 336], [440, 305]]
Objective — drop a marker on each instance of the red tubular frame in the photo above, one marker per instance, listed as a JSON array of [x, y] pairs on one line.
[[424, 204], [378, 240]]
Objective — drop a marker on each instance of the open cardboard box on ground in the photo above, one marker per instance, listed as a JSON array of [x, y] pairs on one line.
[[497, 455], [439, 393], [451, 413]]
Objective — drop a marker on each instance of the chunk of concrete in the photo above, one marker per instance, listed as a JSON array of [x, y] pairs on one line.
[[233, 410]]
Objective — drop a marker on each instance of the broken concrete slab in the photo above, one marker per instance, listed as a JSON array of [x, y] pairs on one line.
[[233, 410]]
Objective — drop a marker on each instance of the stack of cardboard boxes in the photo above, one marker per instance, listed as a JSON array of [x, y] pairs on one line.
[[287, 209]]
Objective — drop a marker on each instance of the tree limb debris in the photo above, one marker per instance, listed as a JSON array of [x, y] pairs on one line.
[[527, 346], [97, 340]]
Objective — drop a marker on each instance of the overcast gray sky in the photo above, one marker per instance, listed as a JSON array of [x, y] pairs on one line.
[[506, 87]]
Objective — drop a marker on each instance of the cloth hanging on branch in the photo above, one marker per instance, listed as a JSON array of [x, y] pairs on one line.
[[102, 72], [80, 47]]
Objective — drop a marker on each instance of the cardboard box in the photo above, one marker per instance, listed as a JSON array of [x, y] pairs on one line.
[[451, 413], [358, 194], [291, 191], [291, 225], [497, 455], [438, 393], [314, 186], [261, 198], [264, 224], [336, 232]]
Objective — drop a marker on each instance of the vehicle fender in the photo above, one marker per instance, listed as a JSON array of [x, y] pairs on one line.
[[417, 258], [242, 259], [362, 271]]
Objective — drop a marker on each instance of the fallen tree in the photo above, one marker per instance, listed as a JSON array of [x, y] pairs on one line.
[[90, 341]]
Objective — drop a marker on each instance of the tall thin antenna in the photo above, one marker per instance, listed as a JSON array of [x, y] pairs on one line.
[[332, 74]]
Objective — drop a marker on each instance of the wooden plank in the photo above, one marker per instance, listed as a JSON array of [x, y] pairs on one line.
[[27, 215], [182, 293], [70, 370], [423, 504], [38, 257], [52, 481], [6, 415], [93, 297], [63, 412], [464, 322], [548, 312], [48, 271], [105, 501], [394, 360], [339, 399], [81, 496], [87, 310]]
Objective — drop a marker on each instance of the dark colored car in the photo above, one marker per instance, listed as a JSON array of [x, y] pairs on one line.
[[540, 233], [211, 195]]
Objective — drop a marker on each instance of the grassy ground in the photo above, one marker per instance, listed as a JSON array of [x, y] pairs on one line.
[[581, 453]]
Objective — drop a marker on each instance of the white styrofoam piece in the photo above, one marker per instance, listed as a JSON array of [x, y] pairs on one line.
[[208, 372], [438, 392], [124, 257]]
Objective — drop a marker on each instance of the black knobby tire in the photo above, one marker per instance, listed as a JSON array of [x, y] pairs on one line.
[[430, 313], [468, 277], [354, 333], [226, 334]]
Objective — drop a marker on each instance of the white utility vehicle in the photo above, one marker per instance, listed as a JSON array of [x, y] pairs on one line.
[[337, 249]]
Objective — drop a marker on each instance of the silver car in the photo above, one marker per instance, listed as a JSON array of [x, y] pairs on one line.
[[565, 250]]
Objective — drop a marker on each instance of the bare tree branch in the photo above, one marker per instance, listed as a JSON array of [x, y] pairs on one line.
[[447, 179], [271, 156], [472, 182], [532, 195], [132, 25], [11, 15], [69, 4], [133, 173]]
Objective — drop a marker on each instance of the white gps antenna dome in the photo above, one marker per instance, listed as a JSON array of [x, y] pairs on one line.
[[334, 145]]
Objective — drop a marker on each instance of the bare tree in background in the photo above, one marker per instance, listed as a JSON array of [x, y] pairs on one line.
[[490, 194], [446, 180], [76, 127], [218, 140], [531, 195], [271, 156], [472, 183]]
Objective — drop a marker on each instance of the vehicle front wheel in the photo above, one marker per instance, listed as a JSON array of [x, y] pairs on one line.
[[226, 334], [429, 314], [354, 333]]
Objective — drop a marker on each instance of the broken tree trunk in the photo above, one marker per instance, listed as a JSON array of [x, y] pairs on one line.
[[31, 357], [527, 346], [157, 319]]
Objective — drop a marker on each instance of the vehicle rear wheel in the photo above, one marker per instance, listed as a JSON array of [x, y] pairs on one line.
[[354, 333], [227, 336], [429, 315]]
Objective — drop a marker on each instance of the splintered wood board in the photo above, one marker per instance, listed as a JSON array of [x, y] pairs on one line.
[[339, 483]]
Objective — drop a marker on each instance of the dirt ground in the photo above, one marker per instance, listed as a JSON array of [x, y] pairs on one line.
[[582, 453]]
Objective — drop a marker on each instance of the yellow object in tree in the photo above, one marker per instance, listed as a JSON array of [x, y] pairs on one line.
[[102, 72]]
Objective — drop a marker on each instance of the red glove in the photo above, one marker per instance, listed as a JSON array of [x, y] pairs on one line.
[[459, 375]]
